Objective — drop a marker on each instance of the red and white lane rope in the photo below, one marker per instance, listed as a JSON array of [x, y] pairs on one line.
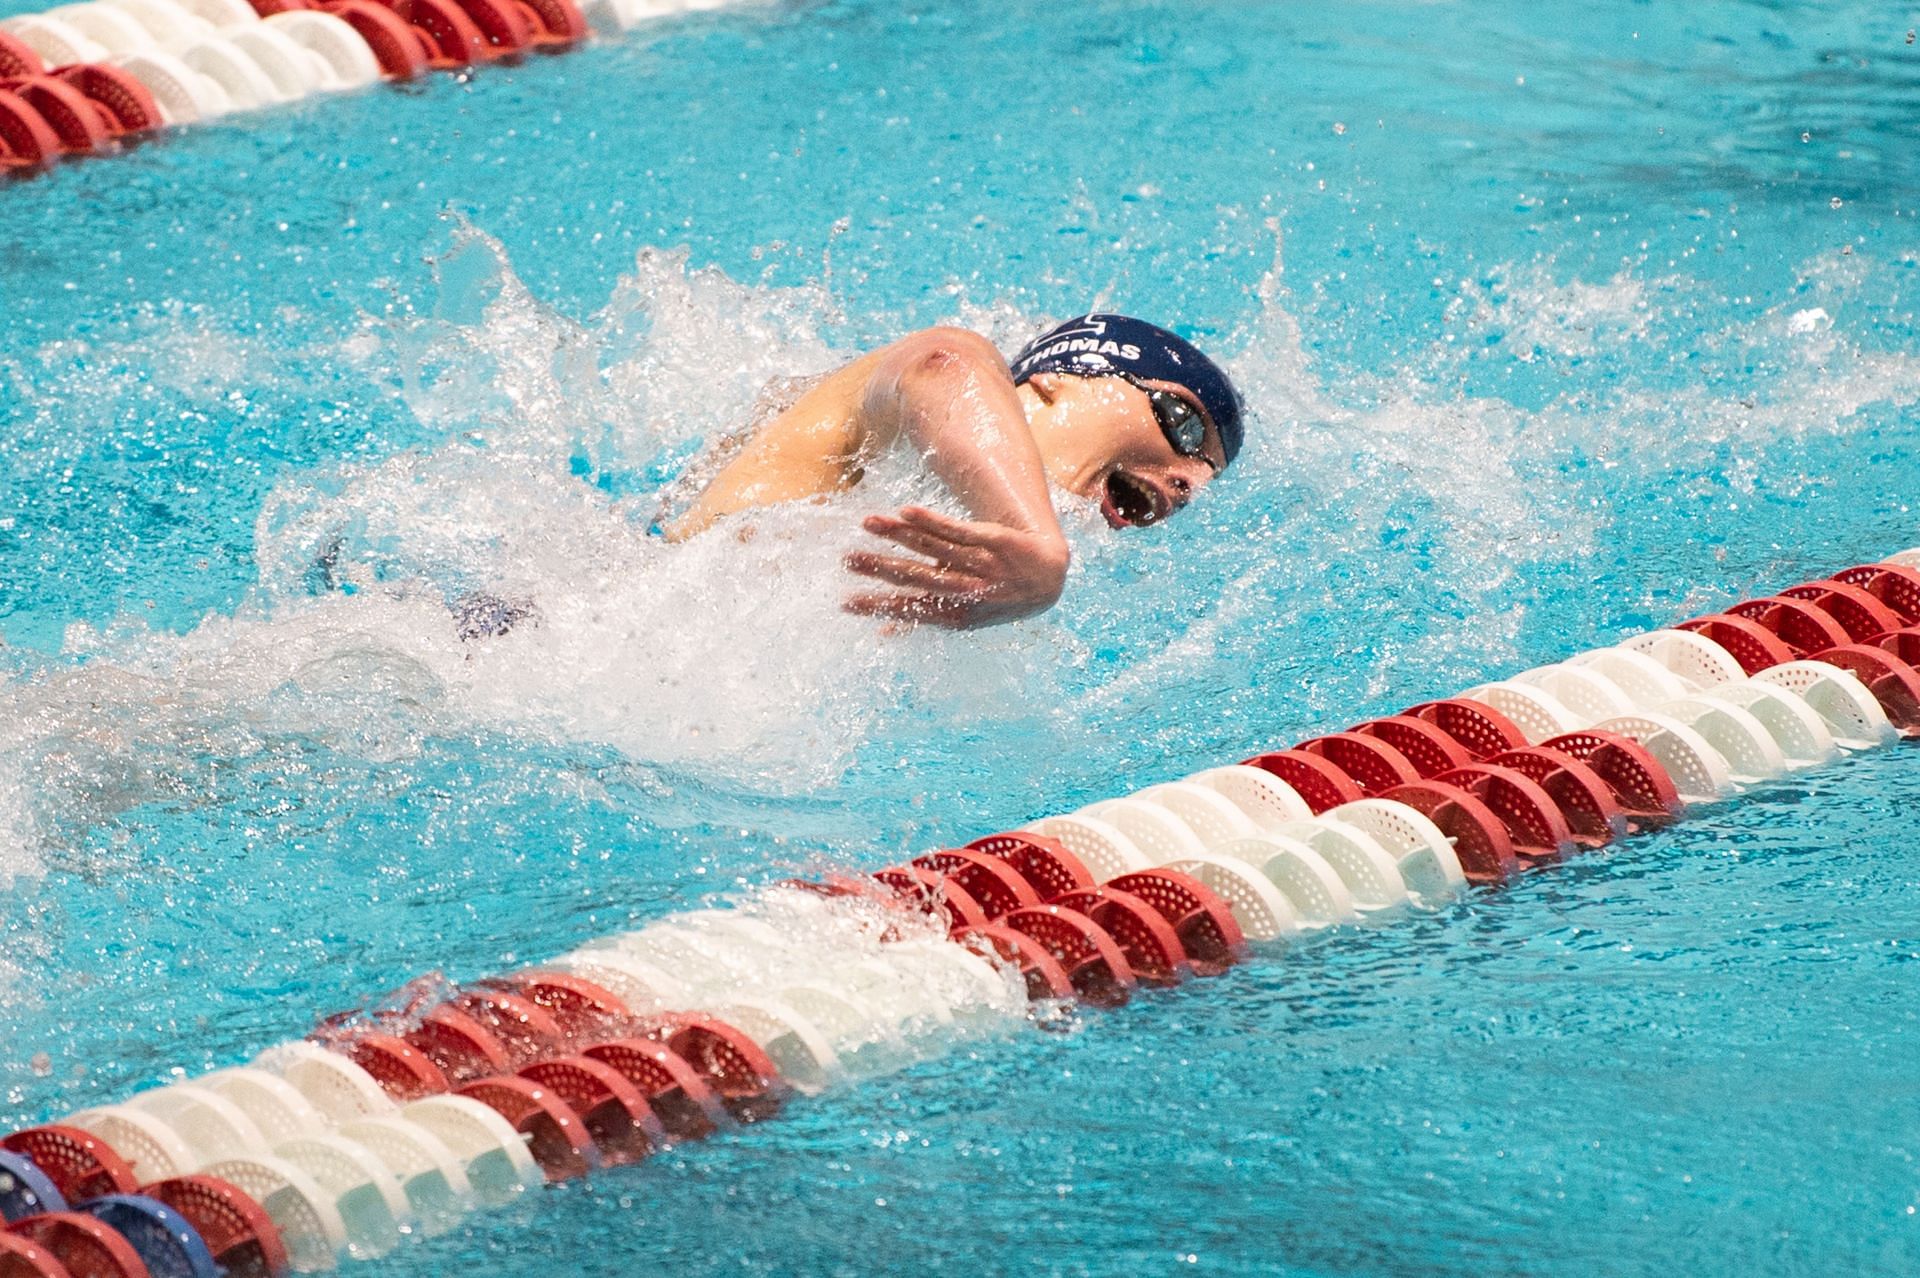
[[450, 1099], [78, 78]]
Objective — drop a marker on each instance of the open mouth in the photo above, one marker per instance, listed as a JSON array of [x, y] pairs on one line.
[[1129, 502]]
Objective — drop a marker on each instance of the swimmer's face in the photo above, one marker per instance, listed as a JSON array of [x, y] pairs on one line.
[[1100, 440]]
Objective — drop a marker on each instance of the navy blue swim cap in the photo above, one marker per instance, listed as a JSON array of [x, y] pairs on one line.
[[1121, 346]]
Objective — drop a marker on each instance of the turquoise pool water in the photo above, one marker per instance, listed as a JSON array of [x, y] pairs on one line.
[[1558, 325]]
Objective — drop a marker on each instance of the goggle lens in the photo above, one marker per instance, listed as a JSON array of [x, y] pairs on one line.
[[1184, 428]]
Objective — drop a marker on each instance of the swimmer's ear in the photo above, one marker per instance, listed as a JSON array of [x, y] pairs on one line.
[[1046, 385]]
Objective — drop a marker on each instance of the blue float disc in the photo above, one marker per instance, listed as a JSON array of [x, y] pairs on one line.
[[170, 1246], [25, 1189]]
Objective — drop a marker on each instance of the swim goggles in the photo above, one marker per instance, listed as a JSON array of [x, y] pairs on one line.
[[1181, 423]]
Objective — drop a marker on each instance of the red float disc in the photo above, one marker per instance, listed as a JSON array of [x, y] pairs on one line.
[[1896, 587], [1751, 644], [401, 51], [1804, 628], [25, 135], [618, 1118], [237, 1230], [680, 1097], [1043, 862], [1534, 823], [1858, 612], [1482, 730], [462, 1047], [125, 99], [1893, 683], [1099, 972], [1041, 971], [88, 1247], [559, 21], [732, 1064], [457, 41], [80, 1164], [1425, 746], [18, 59], [1640, 784], [1479, 837], [577, 1004], [22, 1259], [267, 8], [527, 1030], [1904, 644], [1314, 778], [1582, 795], [997, 886], [1204, 923], [504, 25], [81, 125], [556, 1137], [402, 1070], [921, 887], [1153, 950], [1374, 765]]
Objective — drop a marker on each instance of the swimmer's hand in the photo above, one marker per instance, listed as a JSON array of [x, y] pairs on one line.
[[974, 574]]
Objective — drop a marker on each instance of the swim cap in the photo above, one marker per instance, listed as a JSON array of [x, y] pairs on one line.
[[1121, 346]]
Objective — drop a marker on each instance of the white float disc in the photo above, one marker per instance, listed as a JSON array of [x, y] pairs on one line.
[[1105, 851], [365, 1192], [1698, 770], [794, 1044], [221, 14], [350, 62], [274, 1105], [295, 71], [229, 66], [1211, 815], [1152, 828], [114, 30], [213, 1126], [1695, 658], [430, 1175], [155, 1150], [1265, 799], [182, 94], [1639, 676], [58, 43], [1590, 695], [1905, 559], [1368, 870], [304, 1213], [1261, 909], [1533, 710], [640, 985], [1800, 733], [1742, 740], [169, 23], [333, 1084], [1423, 852], [1851, 712], [1315, 889], [493, 1155]]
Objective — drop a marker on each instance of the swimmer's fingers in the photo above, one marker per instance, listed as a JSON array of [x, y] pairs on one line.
[[938, 610], [914, 573], [942, 550]]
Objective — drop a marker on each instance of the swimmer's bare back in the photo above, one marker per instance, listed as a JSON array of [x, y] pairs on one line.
[[946, 392]]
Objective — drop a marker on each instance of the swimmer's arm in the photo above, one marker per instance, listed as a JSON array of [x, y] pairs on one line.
[[949, 394]]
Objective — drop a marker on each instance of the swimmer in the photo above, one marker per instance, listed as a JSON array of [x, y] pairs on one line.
[[1112, 409]]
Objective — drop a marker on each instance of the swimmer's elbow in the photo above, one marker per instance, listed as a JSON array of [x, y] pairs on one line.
[[946, 354]]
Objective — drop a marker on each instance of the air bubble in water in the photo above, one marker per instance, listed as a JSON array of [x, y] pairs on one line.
[[1835, 202]]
